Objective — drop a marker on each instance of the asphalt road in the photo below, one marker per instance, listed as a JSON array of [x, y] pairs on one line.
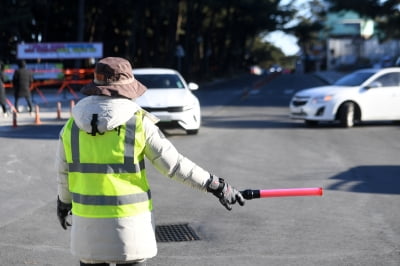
[[248, 139]]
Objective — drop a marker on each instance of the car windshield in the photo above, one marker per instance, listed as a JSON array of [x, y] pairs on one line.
[[160, 81], [354, 79]]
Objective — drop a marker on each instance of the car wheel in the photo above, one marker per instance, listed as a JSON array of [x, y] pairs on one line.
[[192, 131], [311, 123], [347, 115]]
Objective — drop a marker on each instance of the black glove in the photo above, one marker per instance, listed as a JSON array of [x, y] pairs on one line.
[[63, 209], [226, 193]]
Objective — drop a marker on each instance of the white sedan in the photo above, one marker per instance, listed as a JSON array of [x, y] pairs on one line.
[[364, 95], [169, 97]]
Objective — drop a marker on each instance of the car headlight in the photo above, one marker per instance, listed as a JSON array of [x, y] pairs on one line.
[[322, 98]]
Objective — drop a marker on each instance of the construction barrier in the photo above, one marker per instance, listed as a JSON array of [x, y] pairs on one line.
[[68, 83], [72, 77], [80, 76], [12, 107]]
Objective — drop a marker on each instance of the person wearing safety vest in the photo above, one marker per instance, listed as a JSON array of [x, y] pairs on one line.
[[101, 171]]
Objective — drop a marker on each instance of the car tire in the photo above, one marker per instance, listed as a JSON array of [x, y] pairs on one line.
[[311, 123], [347, 115], [192, 131]]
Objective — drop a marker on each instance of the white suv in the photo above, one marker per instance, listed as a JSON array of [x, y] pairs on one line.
[[364, 95]]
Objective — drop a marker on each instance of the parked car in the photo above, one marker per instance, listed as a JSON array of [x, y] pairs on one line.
[[275, 69], [256, 70], [364, 95], [169, 98], [385, 61]]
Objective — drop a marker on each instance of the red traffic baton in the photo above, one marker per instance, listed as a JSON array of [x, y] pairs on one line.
[[249, 194]]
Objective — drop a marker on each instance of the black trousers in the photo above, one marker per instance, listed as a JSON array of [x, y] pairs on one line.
[[142, 263], [28, 102]]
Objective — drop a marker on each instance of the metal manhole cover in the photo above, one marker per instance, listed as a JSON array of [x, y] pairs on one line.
[[175, 233]]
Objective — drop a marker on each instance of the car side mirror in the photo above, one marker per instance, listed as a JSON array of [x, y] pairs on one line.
[[375, 84], [193, 86]]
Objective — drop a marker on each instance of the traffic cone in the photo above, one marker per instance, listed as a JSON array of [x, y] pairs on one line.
[[72, 104], [37, 115], [14, 114], [58, 110]]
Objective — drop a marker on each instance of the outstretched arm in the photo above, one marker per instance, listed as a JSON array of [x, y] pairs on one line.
[[167, 160]]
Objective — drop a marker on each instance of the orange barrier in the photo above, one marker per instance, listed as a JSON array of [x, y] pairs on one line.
[[38, 83], [67, 83], [35, 86], [12, 107], [81, 73], [64, 84], [80, 76]]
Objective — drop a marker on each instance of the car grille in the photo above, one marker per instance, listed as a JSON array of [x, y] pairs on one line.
[[299, 114], [299, 101], [174, 109]]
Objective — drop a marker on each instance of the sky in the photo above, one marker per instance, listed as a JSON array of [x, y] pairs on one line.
[[286, 42]]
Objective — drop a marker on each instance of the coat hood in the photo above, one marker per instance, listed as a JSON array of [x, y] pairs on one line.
[[111, 112]]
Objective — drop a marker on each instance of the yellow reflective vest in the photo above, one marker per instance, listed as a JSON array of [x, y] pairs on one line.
[[106, 172]]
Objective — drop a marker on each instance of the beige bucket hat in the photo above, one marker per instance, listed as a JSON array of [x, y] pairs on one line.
[[113, 77]]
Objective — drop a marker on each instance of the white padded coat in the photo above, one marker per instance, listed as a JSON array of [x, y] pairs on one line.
[[122, 239]]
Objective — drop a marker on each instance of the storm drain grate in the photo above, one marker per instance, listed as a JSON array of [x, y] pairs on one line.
[[175, 233]]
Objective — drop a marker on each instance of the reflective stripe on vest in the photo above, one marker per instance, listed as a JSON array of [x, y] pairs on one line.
[[125, 181], [110, 200]]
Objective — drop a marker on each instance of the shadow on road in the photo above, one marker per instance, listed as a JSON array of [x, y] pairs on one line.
[[278, 121], [381, 179], [248, 122], [32, 132]]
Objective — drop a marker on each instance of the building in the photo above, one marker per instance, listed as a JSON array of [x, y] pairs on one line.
[[352, 42]]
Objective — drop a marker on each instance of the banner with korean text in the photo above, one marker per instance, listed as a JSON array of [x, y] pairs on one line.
[[59, 50]]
